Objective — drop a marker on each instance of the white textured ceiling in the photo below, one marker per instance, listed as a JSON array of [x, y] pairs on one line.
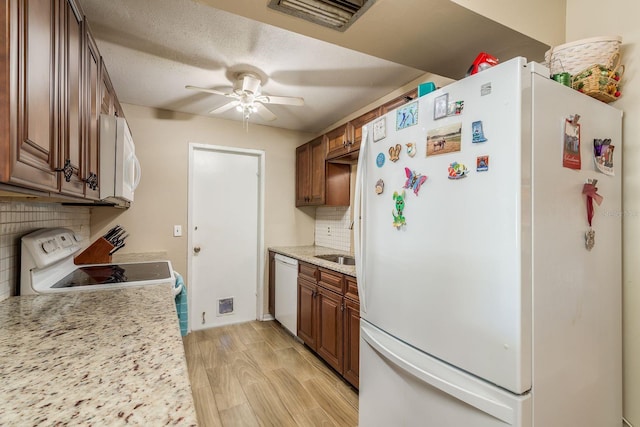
[[153, 48]]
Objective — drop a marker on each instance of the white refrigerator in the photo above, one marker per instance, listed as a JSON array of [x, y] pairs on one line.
[[481, 304]]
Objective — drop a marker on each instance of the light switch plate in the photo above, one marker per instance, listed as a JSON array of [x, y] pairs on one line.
[[177, 230]]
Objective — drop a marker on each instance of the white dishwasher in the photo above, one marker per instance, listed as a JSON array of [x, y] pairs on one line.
[[287, 292]]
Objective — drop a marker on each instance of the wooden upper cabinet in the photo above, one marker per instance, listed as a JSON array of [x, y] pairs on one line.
[[303, 176], [93, 102], [30, 148], [318, 171], [399, 101], [344, 141], [107, 94], [310, 173], [319, 182], [50, 98], [338, 141], [356, 127], [71, 114]]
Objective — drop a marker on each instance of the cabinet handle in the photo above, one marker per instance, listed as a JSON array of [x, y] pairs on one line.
[[67, 170], [342, 306], [92, 181]]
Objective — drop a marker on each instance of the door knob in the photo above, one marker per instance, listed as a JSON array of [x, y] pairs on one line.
[[196, 249]]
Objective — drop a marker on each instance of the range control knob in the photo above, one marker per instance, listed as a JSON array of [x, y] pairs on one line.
[[49, 246]]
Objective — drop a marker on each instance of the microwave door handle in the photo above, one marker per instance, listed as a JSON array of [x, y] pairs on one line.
[[138, 172]]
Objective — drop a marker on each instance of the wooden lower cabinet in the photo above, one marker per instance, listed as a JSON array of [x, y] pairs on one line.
[[329, 318], [329, 343], [307, 312], [351, 339]]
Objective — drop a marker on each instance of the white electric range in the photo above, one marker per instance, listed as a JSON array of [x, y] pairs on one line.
[[47, 266]]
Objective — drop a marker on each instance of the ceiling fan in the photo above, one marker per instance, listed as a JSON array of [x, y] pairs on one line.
[[248, 97]]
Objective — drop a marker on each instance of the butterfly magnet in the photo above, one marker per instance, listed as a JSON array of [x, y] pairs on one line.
[[414, 180]]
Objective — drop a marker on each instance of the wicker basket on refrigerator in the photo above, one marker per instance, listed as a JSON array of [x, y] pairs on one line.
[[600, 81], [576, 56]]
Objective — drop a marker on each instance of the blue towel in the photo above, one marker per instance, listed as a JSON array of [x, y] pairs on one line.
[[181, 305]]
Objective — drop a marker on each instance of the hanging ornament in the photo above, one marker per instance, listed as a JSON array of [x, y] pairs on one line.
[[590, 190]]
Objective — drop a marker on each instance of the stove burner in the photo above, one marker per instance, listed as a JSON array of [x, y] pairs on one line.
[[114, 273]]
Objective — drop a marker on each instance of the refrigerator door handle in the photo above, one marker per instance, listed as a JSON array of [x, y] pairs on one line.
[[358, 232], [485, 397]]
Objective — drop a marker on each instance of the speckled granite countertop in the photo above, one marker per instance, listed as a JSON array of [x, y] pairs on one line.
[[308, 253], [94, 358]]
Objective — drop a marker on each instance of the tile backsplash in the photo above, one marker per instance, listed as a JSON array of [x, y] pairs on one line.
[[333, 227], [20, 218]]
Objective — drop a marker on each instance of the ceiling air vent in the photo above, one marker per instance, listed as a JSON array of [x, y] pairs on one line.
[[335, 14]]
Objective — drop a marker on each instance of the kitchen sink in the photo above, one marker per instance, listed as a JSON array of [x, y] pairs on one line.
[[338, 259]]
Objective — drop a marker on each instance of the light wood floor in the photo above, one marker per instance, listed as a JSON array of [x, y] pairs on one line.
[[257, 374]]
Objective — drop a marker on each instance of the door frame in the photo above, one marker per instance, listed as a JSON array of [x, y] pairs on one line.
[[260, 154]]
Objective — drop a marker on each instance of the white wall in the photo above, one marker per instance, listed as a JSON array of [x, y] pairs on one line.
[[162, 144], [542, 20], [590, 18]]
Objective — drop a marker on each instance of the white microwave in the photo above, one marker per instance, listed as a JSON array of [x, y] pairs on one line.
[[119, 167]]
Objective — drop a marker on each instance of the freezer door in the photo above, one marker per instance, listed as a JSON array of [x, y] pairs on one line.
[[401, 386], [453, 281]]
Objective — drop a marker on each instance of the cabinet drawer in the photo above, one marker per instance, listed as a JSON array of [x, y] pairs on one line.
[[351, 288], [330, 280], [308, 271]]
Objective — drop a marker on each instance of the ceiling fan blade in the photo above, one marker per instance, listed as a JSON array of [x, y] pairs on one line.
[[202, 89], [283, 100], [264, 112], [226, 107]]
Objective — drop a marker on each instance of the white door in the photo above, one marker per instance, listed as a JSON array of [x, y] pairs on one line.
[[225, 235]]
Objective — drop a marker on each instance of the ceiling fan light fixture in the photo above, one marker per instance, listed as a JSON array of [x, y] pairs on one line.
[[335, 14]]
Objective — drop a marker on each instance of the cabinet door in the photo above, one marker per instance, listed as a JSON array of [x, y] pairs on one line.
[[337, 141], [351, 288], [71, 130], [318, 171], [107, 94], [303, 175], [307, 312], [356, 128], [310, 173], [35, 158], [329, 338], [92, 117], [351, 370], [399, 101], [331, 280]]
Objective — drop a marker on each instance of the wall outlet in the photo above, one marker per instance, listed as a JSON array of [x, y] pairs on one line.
[[177, 230]]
